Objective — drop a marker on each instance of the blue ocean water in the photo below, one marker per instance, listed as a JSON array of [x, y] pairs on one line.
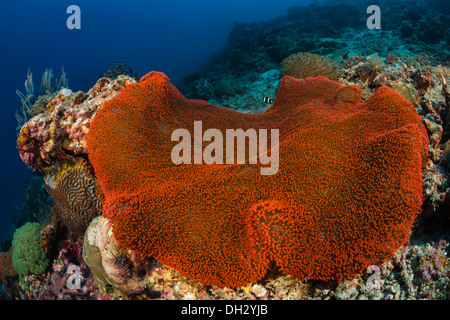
[[176, 37]]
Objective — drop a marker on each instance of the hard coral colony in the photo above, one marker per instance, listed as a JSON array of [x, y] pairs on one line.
[[345, 197]]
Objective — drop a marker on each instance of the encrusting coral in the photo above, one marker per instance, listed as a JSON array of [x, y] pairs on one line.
[[345, 197]]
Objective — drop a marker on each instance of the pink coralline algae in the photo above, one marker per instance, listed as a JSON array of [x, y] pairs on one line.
[[60, 131]]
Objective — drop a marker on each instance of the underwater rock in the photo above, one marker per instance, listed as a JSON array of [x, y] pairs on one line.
[[430, 31], [68, 278], [225, 88], [112, 265], [59, 133], [407, 29], [7, 272], [423, 78], [203, 89]]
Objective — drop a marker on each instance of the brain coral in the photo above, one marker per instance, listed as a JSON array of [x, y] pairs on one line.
[[302, 65], [345, 197], [76, 195], [28, 254]]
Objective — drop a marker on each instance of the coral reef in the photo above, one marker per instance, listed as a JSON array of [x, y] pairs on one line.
[[168, 284], [59, 133], [68, 279], [54, 142], [120, 68], [368, 144], [302, 65], [31, 106], [421, 80], [409, 55]]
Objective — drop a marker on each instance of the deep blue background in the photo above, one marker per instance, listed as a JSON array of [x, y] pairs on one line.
[[175, 37]]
